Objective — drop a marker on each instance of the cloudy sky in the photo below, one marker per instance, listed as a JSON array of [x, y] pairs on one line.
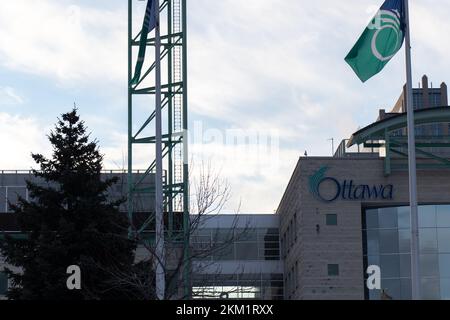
[[270, 69]]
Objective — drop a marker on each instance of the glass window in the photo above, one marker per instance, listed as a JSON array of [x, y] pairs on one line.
[[443, 216], [268, 237], [391, 290], [387, 218], [372, 219], [373, 246], [429, 265], [430, 289], [390, 266], [271, 245], [427, 216], [333, 270], [406, 289], [246, 234], [404, 241], [445, 289], [224, 252], [444, 265], [404, 218], [274, 231], [223, 235], [270, 255], [388, 241], [428, 240], [14, 193], [3, 203], [373, 261], [247, 251], [444, 240], [405, 266], [3, 283], [387, 244], [374, 294], [332, 220], [202, 236]]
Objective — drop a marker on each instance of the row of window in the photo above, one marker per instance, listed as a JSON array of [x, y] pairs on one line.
[[387, 240], [433, 98], [239, 244], [238, 286], [10, 195]]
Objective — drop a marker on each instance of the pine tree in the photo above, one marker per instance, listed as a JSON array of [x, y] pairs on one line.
[[69, 221]]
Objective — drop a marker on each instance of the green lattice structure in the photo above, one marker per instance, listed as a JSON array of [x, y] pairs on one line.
[[141, 130]]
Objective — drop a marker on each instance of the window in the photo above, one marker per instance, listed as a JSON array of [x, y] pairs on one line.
[[3, 283], [418, 100], [332, 220], [247, 251], [387, 244], [333, 270]]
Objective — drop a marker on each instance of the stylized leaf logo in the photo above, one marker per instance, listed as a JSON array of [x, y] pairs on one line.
[[315, 180]]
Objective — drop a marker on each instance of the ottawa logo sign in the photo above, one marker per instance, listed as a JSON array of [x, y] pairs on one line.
[[347, 189]]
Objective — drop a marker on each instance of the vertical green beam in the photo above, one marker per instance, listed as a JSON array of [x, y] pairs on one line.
[[170, 117], [186, 219], [130, 116]]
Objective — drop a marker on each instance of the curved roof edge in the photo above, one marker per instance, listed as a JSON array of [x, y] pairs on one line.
[[376, 131]]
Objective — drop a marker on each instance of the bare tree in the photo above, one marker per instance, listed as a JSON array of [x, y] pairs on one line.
[[209, 194]]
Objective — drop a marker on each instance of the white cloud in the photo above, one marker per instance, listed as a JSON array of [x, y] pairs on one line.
[[66, 42], [19, 137], [9, 96]]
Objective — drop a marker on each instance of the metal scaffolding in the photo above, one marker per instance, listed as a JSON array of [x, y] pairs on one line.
[[141, 130]]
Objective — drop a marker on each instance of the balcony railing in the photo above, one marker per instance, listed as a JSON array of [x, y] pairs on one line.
[[370, 149]]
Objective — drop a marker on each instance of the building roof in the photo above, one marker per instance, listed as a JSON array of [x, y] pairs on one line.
[[377, 130]]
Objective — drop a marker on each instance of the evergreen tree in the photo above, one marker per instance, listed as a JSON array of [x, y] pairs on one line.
[[69, 221]]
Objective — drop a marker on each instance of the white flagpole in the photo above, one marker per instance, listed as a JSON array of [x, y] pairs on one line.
[[415, 254], [159, 215]]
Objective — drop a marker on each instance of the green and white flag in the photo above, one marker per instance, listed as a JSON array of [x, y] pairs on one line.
[[381, 40], [150, 22]]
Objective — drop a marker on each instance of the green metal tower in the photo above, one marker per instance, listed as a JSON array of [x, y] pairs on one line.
[[141, 116]]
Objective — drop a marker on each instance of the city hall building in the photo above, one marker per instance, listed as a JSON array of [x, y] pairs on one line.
[[338, 216], [341, 214]]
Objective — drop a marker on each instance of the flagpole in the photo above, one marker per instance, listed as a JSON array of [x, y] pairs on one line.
[[415, 254], [159, 218]]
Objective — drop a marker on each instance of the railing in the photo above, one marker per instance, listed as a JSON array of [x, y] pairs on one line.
[[344, 152]]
